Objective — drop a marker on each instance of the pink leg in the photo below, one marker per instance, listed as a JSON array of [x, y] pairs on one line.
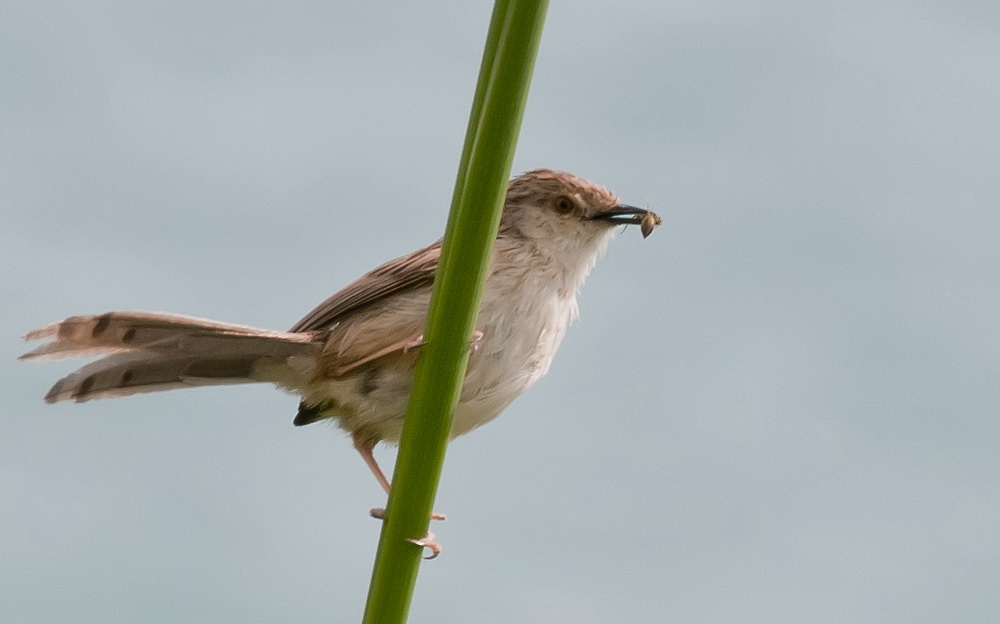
[[366, 448]]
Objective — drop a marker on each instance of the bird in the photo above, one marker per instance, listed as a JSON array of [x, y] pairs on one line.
[[351, 358]]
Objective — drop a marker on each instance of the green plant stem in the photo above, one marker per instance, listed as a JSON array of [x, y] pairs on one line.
[[505, 74]]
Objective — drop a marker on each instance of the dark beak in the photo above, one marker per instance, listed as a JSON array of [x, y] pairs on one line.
[[621, 215], [630, 215]]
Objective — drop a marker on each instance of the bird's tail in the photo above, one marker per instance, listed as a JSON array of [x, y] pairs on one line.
[[148, 351]]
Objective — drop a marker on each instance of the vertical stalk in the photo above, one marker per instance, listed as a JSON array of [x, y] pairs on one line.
[[501, 92]]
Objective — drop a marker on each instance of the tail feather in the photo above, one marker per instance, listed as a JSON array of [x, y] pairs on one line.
[[147, 352], [117, 331]]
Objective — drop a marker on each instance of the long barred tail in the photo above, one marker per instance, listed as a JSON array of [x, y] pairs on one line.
[[148, 352]]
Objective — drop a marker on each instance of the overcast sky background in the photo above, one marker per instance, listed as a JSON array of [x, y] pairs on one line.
[[784, 406]]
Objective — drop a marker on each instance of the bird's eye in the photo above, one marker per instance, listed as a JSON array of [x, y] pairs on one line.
[[564, 205]]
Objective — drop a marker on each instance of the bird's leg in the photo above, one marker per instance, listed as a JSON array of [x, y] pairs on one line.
[[366, 448]]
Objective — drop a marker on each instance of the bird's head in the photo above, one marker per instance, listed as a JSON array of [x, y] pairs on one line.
[[564, 215]]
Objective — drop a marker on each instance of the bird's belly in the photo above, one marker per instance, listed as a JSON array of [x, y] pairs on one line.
[[515, 350]]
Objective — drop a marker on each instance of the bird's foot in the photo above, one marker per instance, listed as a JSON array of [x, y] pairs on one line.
[[428, 542]]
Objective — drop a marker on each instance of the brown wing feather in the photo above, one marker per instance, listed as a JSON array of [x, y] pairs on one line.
[[402, 274], [389, 328]]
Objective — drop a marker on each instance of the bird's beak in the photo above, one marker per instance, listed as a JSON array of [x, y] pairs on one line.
[[621, 215], [630, 215]]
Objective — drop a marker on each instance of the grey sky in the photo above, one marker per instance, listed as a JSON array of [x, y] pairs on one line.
[[783, 406]]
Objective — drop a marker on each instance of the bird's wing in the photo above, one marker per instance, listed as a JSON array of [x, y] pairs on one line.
[[396, 276]]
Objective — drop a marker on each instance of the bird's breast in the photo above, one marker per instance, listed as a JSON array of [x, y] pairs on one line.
[[522, 325]]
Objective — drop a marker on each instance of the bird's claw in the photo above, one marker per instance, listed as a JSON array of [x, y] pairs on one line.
[[416, 343], [476, 337], [428, 542]]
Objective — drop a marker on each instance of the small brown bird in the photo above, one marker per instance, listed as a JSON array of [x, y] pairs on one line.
[[352, 357]]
